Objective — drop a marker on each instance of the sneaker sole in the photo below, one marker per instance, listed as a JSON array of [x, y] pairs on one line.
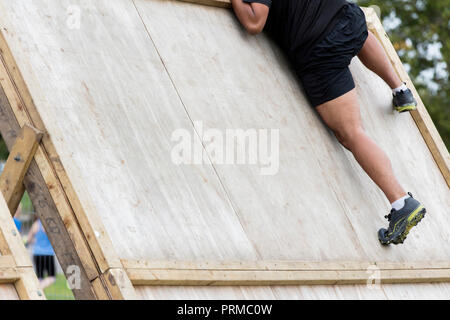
[[406, 108], [412, 221]]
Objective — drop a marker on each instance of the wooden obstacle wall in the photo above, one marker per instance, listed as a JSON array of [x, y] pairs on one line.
[[109, 94]]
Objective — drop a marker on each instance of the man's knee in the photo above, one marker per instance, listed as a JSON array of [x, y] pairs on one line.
[[349, 135]]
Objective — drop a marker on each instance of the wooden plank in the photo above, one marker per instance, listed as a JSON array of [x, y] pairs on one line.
[[281, 265], [27, 286], [99, 289], [119, 285], [22, 152], [421, 116], [8, 275], [7, 261], [271, 273], [4, 249], [150, 277], [8, 271]]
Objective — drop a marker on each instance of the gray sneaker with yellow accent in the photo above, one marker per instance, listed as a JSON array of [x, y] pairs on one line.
[[401, 222], [404, 101]]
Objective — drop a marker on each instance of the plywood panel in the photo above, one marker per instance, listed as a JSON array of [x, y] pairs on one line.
[[114, 93], [320, 205]]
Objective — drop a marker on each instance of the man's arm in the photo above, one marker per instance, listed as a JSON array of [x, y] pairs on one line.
[[253, 16]]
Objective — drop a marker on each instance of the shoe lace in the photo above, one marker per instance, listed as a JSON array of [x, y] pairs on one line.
[[389, 216]]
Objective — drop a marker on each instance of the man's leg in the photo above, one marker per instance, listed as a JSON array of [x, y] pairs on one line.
[[373, 56], [342, 115]]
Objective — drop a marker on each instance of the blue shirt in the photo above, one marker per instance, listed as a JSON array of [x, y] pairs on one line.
[[42, 246], [18, 223]]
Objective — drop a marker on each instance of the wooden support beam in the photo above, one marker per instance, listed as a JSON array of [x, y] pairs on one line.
[[27, 285], [279, 265], [269, 273], [99, 289], [22, 152], [4, 249], [8, 275], [279, 278], [119, 285], [6, 261]]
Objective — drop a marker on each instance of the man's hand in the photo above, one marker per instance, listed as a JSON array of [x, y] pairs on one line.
[[253, 16]]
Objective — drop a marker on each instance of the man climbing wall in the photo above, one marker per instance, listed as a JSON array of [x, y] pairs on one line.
[[320, 38]]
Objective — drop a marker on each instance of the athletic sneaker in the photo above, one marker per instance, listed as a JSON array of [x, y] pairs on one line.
[[401, 221], [404, 101]]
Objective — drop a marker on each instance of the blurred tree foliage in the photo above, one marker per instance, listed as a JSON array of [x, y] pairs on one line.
[[418, 29], [3, 150]]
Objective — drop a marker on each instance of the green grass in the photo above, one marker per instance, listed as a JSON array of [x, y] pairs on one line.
[[26, 203], [59, 290]]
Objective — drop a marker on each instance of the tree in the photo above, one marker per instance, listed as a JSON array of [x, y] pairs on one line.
[[419, 30], [3, 150]]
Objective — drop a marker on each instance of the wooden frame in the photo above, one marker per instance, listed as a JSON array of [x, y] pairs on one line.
[[62, 216], [15, 264], [80, 239], [11, 180], [256, 273]]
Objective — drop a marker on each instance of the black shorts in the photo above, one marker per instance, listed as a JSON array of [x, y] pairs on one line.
[[326, 75], [44, 265]]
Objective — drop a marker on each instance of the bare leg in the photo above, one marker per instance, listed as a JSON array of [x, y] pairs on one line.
[[44, 283], [373, 56], [342, 115]]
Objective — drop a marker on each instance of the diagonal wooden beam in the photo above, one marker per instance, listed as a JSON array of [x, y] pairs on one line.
[[6, 261], [22, 152]]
